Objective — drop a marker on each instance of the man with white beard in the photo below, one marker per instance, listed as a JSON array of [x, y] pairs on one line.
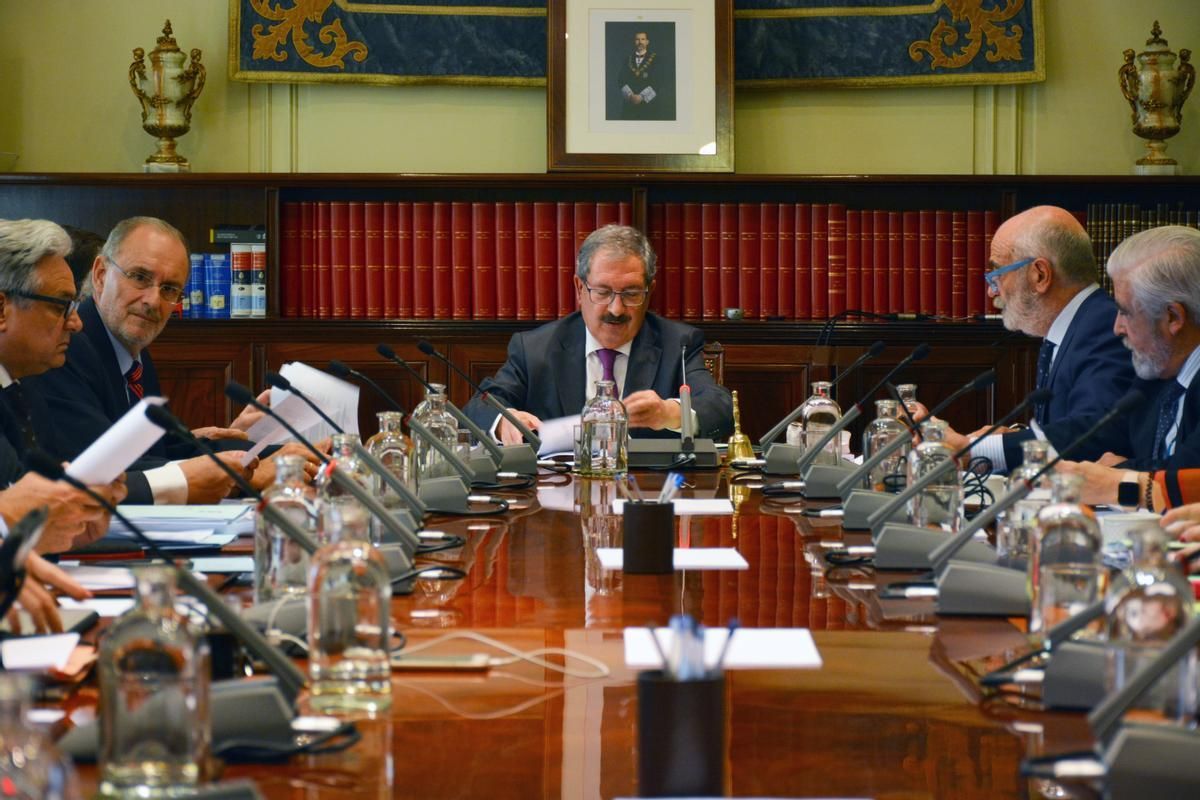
[[1043, 279]]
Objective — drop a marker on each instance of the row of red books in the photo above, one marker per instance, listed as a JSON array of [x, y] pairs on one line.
[[798, 261], [434, 260]]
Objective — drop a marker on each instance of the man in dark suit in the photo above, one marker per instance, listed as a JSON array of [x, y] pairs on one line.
[[550, 370], [1043, 278]]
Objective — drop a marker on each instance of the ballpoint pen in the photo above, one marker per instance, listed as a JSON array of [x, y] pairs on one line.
[[636, 489], [732, 628], [667, 667], [670, 487]]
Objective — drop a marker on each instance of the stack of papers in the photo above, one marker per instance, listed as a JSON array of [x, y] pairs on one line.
[[186, 523]]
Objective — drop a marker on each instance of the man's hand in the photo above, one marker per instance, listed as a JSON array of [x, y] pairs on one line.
[[1111, 459], [208, 483], [250, 414], [212, 432], [70, 510], [38, 602], [647, 410], [1183, 522], [636, 99], [954, 440], [264, 470], [1099, 481], [510, 435]]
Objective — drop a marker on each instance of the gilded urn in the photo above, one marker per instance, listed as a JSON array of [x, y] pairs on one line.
[[1156, 89], [166, 95]]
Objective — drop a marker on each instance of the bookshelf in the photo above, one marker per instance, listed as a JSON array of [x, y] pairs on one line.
[[770, 362]]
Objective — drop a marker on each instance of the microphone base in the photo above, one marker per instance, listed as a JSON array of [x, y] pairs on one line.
[[1073, 678], [860, 504], [971, 589], [518, 458], [822, 480], [782, 459], [443, 494], [667, 453], [1152, 761], [484, 467], [908, 547]]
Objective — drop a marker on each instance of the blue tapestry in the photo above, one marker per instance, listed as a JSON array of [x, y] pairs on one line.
[[503, 42]]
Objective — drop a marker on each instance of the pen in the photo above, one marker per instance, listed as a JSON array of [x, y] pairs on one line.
[[667, 667], [670, 487], [732, 628], [637, 489]]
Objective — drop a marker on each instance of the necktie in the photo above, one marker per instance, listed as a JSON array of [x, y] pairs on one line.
[[14, 395], [134, 380], [607, 359], [1168, 409], [1045, 359]]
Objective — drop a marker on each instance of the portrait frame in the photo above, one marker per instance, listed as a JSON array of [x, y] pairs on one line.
[[583, 130]]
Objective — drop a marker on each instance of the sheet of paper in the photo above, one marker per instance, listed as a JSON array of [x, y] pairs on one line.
[[104, 606], [268, 431], [689, 506], [219, 513], [684, 558], [204, 536], [38, 652], [224, 565], [100, 579], [752, 648], [334, 396], [118, 447], [557, 435]]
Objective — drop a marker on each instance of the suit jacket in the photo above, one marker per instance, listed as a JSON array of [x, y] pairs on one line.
[[546, 371], [1091, 370]]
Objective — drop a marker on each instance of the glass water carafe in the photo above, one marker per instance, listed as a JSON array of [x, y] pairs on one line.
[[154, 680], [882, 431], [330, 494], [31, 767], [817, 415], [395, 450], [939, 503], [1066, 573], [1016, 528], [281, 565], [432, 413], [604, 427]]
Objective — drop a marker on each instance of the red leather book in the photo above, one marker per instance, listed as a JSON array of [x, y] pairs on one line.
[[768, 260], [339, 232], [803, 301], [565, 222], [657, 222], [895, 262], [748, 255], [308, 259], [912, 262], [483, 257], [526, 258], [691, 288], [670, 267], [853, 258], [710, 261], [820, 261], [422, 260], [443, 261], [607, 214], [391, 259], [881, 289], [585, 223], [289, 258], [837, 258], [943, 254], [786, 283], [374, 287], [976, 258], [323, 237], [358, 260], [928, 260], [866, 295], [545, 261], [462, 246], [952, 288], [506, 261], [625, 213], [991, 221], [728, 257], [405, 240]]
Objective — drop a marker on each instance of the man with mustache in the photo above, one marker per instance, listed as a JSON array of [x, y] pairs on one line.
[[1043, 279], [551, 370], [137, 279]]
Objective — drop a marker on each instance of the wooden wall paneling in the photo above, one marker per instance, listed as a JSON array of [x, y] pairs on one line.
[[193, 377], [771, 380]]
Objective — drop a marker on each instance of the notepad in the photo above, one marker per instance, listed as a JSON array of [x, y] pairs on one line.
[[684, 506], [684, 558], [38, 652], [752, 648]]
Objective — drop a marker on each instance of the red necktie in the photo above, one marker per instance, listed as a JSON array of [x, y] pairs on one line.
[[134, 379]]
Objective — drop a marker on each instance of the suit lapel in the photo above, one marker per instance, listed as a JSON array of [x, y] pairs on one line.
[[644, 359], [572, 370], [110, 371]]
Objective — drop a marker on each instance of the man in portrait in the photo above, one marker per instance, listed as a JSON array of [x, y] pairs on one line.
[[643, 78]]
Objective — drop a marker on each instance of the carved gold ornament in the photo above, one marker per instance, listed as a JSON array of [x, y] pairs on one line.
[[290, 23], [987, 25]]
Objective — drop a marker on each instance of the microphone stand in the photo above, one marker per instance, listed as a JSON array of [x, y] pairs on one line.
[[686, 452], [449, 495]]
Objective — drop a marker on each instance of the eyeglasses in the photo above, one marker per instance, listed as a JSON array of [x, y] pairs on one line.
[[143, 280], [69, 307], [991, 277], [602, 296]]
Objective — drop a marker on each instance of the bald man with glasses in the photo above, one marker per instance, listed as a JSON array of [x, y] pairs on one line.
[[551, 370]]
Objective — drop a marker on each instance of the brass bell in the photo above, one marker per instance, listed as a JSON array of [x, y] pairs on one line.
[[740, 446]]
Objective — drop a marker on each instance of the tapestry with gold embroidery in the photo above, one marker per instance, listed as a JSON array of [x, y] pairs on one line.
[[503, 42]]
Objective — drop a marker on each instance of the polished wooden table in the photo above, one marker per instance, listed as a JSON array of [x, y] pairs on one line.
[[894, 712]]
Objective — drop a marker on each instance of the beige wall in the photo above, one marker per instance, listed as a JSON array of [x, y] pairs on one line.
[[72, 110]]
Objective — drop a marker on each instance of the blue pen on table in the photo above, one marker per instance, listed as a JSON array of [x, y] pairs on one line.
[[670, 487], [667, 667], [731, 628], [632, 481], [687, 648]]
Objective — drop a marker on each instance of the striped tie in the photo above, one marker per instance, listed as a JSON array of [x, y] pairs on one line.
[[134, 379]]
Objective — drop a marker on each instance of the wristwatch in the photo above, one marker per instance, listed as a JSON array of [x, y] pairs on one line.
[[1129, 493]]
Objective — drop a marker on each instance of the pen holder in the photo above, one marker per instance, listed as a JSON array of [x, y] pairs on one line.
[[649, 538], [681, 736]]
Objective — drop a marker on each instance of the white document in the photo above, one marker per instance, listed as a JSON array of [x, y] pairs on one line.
[[104, 606], [217, 513], [224, 565], [204, 536], [100, 579], [752, 648], [118, 447], [684, 558], [268, 431], [334, 396], [689, 506], [38, 652], [557, 435]]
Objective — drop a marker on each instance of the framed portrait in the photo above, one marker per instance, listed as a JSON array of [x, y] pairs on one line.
[[640, 87]]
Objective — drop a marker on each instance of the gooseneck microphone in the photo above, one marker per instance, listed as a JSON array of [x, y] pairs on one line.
[[902, 408], [240, 394], [429, 350], [343, 370]]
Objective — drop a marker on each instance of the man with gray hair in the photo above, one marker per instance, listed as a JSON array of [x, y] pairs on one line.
[[550, 370], [1043, 279]]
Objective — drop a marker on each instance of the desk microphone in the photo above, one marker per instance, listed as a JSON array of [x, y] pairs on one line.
[[531, 437]]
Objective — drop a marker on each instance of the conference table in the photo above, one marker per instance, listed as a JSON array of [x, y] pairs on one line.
[[894, 710]]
